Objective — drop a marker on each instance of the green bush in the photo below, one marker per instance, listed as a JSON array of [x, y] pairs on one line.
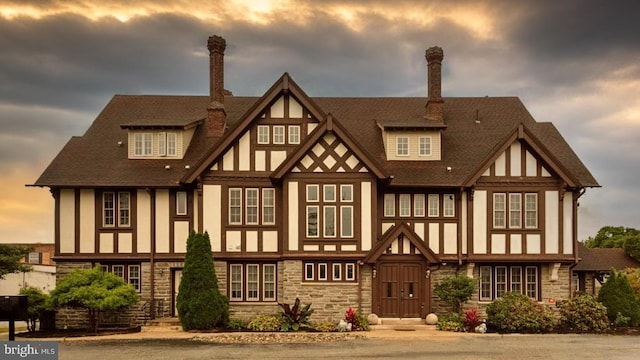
[[583, 314], [325, 326], [621, 320], [455, 290], [618, 296], [515, 312], [265, 323], [200, 304], [236, 324], [37, 305], [451, 322]]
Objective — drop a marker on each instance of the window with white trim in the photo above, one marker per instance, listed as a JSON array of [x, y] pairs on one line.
[[116, 203], [434, 205], [142, 144], [332, 214], [278, 134], [263, 134], [181, 203], [449, 205], [251, 206], [172, 144], [508, 210], [268, 206], [389, 205], [496, 280], [294, 134], [252, 282], [162, 144], [329, 271], [402, 146], [130, 273], [405, 205], [418, 205], [235, 206], [424, 143]]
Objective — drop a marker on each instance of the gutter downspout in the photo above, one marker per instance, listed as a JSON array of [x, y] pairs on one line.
[[152, 195]]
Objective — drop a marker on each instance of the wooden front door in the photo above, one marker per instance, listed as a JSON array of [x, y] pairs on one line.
[[401, 290]]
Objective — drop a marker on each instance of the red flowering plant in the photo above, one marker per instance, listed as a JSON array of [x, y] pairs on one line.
[[358, 322], [471, 319]]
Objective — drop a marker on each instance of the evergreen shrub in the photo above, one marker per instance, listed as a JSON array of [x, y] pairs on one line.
[[618, 296], [582, 314], [517, 313]]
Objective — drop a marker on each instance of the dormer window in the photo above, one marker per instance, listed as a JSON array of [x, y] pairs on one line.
[[156, 144], [402, 146], [424, 146], [143, 144]]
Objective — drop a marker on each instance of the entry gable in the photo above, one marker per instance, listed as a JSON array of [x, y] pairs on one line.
[[522, 156], [285, 116], [329, 148], [397, 233]]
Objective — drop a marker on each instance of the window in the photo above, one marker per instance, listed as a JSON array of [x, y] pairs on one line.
[[405, 205], [329, 271], [294, 134], [278, 134], [434, 205], [181, 203], [312, 193], [515, 216], [389, 205], [142, 144], [337, 272], [172, 140], [531, 210], [424, 146], [322, 272], [252, 283], [485, 283], [134, 276], [418, 205], [312, 221], [449, 205], [263, 134], [268, 206], [346, 193], [236, 282], [308, 271], [346, 223], [235, 206], [109, 202], [322, 210], [34, 257], [162, 144], [251, 206], [402, 146], [130, 273], [515, 210], [269, 282], [499, 215], [496, 280]]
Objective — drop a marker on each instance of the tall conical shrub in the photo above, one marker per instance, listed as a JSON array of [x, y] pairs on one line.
[[200, 304]]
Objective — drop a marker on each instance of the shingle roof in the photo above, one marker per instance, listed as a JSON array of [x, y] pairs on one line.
[[95, 159], [603, 259]]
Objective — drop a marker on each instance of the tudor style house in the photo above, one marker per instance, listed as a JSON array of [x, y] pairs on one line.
[[362, 202]]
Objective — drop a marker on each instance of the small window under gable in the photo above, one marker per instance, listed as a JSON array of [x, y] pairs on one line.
[[411, 140], [157, 144]]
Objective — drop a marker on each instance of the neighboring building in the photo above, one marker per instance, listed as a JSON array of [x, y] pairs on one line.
[[595, 266], [42, 274], [362, 202]]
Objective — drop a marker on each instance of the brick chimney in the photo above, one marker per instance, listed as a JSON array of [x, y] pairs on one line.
[[216, 115], [435, 104]]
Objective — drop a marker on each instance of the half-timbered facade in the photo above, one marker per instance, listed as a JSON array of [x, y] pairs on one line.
[[362, 202]]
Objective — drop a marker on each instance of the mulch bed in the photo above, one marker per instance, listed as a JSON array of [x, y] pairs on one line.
[[66, 333]]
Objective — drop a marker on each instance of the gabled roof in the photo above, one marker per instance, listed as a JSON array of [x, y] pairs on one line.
[[476, 129], [603, 259], [284, 85], [391, 235], [523, 133], [328, 124]]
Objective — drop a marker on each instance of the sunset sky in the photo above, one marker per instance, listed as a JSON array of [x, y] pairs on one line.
[[573, 63]]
